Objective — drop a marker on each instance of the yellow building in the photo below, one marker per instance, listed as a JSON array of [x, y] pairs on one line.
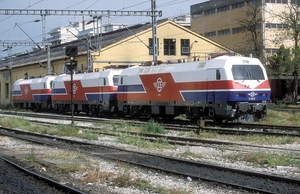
[[120, 48], [218, 20]]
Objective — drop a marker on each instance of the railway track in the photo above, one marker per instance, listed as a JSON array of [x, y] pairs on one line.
[[17, 179], [180, 125], [183, 141], [251, 181]]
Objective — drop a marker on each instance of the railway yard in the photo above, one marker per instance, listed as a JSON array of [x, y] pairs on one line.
[[114, 156]]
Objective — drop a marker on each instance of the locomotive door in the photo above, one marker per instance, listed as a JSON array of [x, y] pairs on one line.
[[210, 88], [124, 89], [101, 89]]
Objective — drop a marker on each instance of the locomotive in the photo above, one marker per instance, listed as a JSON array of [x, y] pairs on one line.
[[94, 92], [34, 94], [230, 88]]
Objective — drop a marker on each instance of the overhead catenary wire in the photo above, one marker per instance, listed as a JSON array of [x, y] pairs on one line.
[[96, 3], [24, 9]]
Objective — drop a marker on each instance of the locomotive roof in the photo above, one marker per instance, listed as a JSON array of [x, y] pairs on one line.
[[219, 62], [225, 61], [35, 80], [91, 75]]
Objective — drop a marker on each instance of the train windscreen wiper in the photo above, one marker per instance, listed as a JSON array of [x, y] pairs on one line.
[[249, 76]]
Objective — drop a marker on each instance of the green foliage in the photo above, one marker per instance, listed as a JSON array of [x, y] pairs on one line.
[[289, 17], [140, 142], [68, 167], [61, 130], [253, 36], [20, 123], [187, 152], [222, 149], [65, 155], [32, 158], [89, 135], [266, 159], [146, 185], [281, 62], [153, 127], [125, 177]]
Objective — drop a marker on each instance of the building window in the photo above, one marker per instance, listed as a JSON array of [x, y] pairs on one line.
[[278, 1], [185, 46], [208, 12], [238, 5], [170, 46], [271, 51], [274, 25], [221, 9], [151, 46], [197, 15], [209, 34], [223, 32], [237, 30], [295, 1], [6, 90], [253, 2]]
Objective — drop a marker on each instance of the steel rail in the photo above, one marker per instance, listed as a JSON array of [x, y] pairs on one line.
[[40, 177]]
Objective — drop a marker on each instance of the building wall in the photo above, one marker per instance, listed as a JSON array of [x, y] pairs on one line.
[[203, 23], [220, 20], [134, 51], [271, 33]]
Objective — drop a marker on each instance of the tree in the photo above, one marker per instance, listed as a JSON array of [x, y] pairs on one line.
[[251, 27], [280, 63], [290, 32]]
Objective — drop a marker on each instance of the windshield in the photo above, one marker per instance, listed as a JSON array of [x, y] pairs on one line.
[[116, 79], [247, 72]]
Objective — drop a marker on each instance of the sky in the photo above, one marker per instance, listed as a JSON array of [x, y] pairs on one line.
[[23, 28]]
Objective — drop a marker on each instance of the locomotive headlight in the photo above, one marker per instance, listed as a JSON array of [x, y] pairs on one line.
[[263, 94], [240, 95]]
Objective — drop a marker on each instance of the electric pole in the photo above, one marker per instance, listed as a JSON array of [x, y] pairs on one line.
[[154, 33]]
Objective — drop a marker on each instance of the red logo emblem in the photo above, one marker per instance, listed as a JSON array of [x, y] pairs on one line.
[[159, 84]]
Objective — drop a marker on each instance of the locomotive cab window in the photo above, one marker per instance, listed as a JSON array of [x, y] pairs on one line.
[[247, 72], [218, 74], [115, 79]]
